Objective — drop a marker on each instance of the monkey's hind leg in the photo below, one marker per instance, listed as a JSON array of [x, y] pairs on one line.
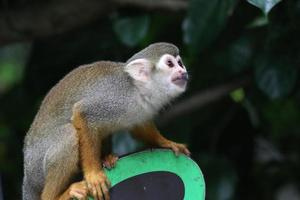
[[90, 145], [61, 162], [53, 188]]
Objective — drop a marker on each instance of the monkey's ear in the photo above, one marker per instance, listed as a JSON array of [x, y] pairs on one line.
[[139, 69]]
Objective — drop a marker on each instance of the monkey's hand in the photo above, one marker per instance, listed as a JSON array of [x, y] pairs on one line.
[[78, 190], [98, 184], [176, 147], [110, 161]]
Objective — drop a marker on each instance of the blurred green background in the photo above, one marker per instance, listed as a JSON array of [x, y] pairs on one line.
[[240, 115]]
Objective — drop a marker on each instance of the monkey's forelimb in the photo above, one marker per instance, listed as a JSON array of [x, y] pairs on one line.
[[149, 134]]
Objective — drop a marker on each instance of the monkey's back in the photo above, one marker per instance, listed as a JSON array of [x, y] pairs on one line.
[[56, 108], [51, 129]]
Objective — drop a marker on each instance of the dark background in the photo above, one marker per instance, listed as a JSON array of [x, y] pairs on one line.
[[240, 115]]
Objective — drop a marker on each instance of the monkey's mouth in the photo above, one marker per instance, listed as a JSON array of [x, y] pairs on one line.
[[180, 81]]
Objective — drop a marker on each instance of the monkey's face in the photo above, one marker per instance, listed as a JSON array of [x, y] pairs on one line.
[[171, 72], [167, 76]]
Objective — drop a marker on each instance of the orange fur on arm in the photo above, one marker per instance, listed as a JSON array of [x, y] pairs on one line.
[[149, 134], [89, 145]]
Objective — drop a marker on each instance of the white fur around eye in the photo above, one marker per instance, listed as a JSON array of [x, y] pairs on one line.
[[163, 62], [178, 58]]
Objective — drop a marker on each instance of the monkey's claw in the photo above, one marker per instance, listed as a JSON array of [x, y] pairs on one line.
[[178, 148], [78, 190], [110, 161], [98, 185]]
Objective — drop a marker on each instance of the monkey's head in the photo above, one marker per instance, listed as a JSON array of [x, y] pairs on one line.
[[159, 67]]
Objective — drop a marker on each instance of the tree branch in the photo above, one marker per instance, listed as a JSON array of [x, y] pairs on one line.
[[202, 99], [172, 5], [54, 17]]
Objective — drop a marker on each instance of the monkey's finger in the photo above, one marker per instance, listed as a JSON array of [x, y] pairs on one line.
[[99, 192], [114, 162], [85, 196], [110, 161], [107, 182], [90, 189], [187, 152], [105, 191], [79, 191], [84, 192], [116, 158], [176, 150], [107, 164], [183, 148], [110, 166], [84, 185], [94, 193], [76, 195], [89, 186]]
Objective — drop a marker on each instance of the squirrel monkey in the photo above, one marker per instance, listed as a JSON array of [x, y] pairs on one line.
[[90, 103]]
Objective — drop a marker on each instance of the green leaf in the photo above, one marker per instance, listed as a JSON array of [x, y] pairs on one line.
[[238, 95], [259, 22], [204, 21], [264, 5], [8, 73], [12, 61], [131, 30], [237, 56], [283, 116], [275, 76], [252, 112]]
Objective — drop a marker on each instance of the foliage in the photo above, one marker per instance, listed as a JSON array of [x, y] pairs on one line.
[[12, 62], [246, 143], [275, 77], [200, 31], [131, 30], [265, 6]]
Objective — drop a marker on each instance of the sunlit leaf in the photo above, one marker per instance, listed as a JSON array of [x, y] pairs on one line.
[[275, 77], [238, 95], [205, 20], [259, 21], [131, 30], [264, 5]]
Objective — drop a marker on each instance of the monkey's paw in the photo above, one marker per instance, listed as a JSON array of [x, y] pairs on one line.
[[78, 190], [98, 185], [110, 161], [177, 148]]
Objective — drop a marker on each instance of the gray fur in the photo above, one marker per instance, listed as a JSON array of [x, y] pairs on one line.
[[154, 51], [105, 95]]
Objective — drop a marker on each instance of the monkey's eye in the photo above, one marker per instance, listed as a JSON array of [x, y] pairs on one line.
[[180, 63], [170, 63]]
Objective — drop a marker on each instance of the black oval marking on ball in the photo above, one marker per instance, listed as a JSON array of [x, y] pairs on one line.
[[159, 185]]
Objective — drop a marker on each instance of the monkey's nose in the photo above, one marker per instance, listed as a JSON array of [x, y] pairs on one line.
[[185, 76]]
